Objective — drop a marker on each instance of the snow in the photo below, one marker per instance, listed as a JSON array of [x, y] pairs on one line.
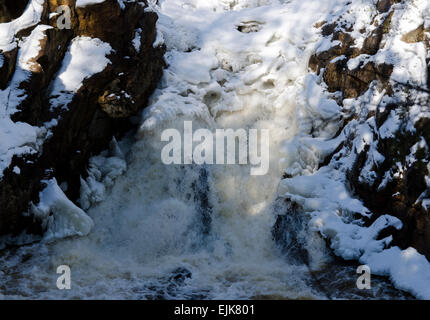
[[254, 54], [350, 240], [221, 77], [75, 68], [29, 49], [390, 126], [60, 216], [84, 3], [408, 269], [15, 139], [21, 138], [331, 206], [29, 18], [322, 193], [318, 103], [137, 39], [320, 190], [183, 65]]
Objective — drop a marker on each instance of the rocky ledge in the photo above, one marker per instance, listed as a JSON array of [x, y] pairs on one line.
[[72, 75], [390, 101]]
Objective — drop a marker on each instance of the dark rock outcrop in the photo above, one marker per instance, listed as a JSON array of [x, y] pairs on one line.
[[401, 195], [333, 62], [11, 9], [8, 67], [91, 119]]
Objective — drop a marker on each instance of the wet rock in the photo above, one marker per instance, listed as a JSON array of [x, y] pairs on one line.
[[201, 193], [179, 276], [133, 72], [287, 230]]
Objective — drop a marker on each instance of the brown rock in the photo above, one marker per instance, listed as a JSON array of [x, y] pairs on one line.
[[371, 44], [43, 67], [384, 5], [11, 9], [416, 35], [337, 76], [92, 118]]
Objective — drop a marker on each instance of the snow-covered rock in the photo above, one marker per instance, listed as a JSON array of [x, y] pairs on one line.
[[56, 87]]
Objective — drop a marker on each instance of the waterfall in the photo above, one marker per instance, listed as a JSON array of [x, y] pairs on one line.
[[204, 231]]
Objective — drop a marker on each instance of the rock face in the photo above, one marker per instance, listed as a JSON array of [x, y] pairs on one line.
[[11, 9], [352, 82], [397, 182], [99, 109]]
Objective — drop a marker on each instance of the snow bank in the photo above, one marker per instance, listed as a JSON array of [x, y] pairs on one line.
[[19, 138], [322, 193], [29, 49], [321, 190], [60, 216], [15, 139], [29, 18], [84, 3], [331, 209], [210, 35], [408, 269]]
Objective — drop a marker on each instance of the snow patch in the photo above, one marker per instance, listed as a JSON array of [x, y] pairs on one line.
[[29, 18], [60, 216], [137, 39], [84, 3], [75, 68]]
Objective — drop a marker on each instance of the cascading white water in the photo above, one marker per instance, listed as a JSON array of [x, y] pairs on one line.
[[188, 231]]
